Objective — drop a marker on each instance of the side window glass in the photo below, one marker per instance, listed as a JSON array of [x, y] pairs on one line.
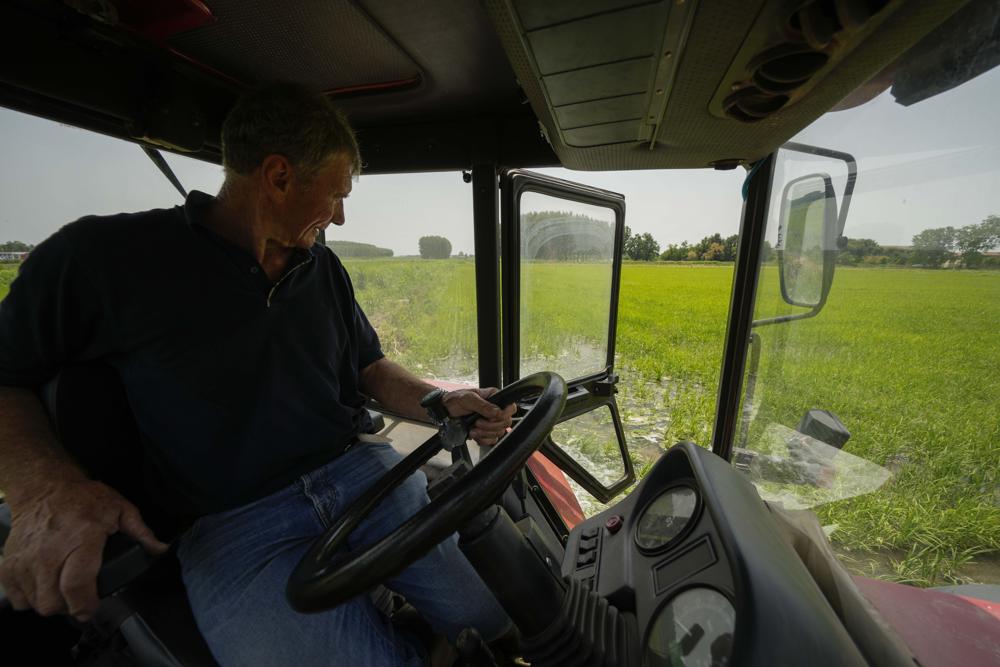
[[567, 254], [871, 384], [562, 250], [55, 174], [415, 282], [592, 440]]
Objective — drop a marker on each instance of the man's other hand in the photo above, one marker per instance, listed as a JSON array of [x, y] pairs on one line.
[[495, 421], [53, 553]]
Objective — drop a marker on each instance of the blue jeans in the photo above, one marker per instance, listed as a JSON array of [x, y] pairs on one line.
[[235, 565]]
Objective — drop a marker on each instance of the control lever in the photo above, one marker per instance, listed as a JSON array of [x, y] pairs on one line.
[[122, 561], [452, 431], [473, 651]]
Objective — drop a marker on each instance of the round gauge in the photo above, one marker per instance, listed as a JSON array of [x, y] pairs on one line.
[[694, 629], [666, 517]]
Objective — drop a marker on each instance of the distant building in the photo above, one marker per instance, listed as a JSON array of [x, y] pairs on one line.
[[6, 256]]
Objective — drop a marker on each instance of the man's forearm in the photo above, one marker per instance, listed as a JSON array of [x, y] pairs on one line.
[[395, 387], [31, 459]]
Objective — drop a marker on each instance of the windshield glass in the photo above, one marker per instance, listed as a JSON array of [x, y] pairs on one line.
[[881, 406]]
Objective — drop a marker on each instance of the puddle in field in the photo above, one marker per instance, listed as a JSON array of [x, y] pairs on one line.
[[644, 408], [983, 569]]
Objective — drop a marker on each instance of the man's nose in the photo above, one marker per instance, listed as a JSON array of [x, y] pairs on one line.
[[338, 214]]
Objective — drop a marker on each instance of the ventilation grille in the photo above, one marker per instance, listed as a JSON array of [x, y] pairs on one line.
[[806, 41]]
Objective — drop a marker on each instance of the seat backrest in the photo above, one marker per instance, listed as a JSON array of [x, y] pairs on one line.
[[90, 413]]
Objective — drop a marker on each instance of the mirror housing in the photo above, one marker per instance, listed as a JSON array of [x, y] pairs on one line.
[[807, 240]]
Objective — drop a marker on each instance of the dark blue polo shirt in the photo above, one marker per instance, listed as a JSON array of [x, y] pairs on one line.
[[238, 385]]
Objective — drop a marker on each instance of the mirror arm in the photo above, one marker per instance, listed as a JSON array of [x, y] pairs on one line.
[[788, 318], [852, 174]]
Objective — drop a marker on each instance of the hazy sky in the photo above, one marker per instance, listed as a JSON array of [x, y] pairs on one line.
[[929, 165]]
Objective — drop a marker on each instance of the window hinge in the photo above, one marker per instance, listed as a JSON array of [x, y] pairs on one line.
[[605, 387]]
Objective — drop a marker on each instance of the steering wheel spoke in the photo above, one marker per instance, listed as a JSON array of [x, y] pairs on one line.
[[327, 575]]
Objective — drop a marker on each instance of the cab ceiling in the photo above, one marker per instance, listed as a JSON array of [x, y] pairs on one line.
[[620, 84], [426, 84], [445, 84]]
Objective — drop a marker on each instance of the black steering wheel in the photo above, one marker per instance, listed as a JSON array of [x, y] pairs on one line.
[[325, 577]]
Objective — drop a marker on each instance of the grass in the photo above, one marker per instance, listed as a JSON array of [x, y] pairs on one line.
[[7, 273], [908, 359]]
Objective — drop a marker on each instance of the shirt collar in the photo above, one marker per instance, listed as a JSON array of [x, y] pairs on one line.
[[196, 211]]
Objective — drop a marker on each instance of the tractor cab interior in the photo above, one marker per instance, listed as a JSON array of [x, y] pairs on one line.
[[689, 567]]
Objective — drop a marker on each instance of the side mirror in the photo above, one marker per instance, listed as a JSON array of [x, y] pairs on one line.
[[807, 240]]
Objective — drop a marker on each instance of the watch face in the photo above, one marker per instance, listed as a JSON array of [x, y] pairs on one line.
[[664, 519]]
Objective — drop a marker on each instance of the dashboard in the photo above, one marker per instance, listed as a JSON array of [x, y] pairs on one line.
[[694, 559]]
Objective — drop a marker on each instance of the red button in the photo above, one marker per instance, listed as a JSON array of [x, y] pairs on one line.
[[613, 524]]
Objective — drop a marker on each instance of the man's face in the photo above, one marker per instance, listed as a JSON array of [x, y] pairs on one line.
[[315, 202]]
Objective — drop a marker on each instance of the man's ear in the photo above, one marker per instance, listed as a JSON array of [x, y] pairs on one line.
[[276, 176]]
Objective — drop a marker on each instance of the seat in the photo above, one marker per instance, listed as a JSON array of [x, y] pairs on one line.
[[143, 598], [145, 615]]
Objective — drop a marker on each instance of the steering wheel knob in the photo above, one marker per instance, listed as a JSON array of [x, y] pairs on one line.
[[433, 402]]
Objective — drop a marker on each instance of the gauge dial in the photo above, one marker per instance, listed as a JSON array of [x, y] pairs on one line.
[[665, 518], [695, 629]]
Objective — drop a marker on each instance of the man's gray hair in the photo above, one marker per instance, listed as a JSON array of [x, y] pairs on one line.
[[286, 119]]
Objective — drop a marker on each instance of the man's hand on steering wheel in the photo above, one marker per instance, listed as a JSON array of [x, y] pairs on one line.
[[495, 421], [329, 575]]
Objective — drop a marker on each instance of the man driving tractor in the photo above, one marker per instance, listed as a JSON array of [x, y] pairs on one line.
[[246, 365]]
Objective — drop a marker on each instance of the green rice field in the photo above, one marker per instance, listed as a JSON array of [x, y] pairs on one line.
[[909, 359]]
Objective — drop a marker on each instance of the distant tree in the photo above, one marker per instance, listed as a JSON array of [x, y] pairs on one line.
[[932, 247], [767, 252], [355, 249], [641, 246], [972, 241], [15, 246], [565, 236], [900, 256], [675, 253], [711, 248], [847, 259], [729, 248], [857, 250], [714, 252], [434, 247], [703, 245]]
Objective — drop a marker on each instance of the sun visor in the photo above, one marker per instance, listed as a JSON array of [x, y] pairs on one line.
[[329, 46]]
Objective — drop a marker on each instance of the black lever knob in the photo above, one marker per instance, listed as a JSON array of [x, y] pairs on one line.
[[433, 402]]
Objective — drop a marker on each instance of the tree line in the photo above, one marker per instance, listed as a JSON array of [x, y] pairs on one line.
[[953, 246], [965, 247], [712, 248], [355, 249], [431, 247]]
